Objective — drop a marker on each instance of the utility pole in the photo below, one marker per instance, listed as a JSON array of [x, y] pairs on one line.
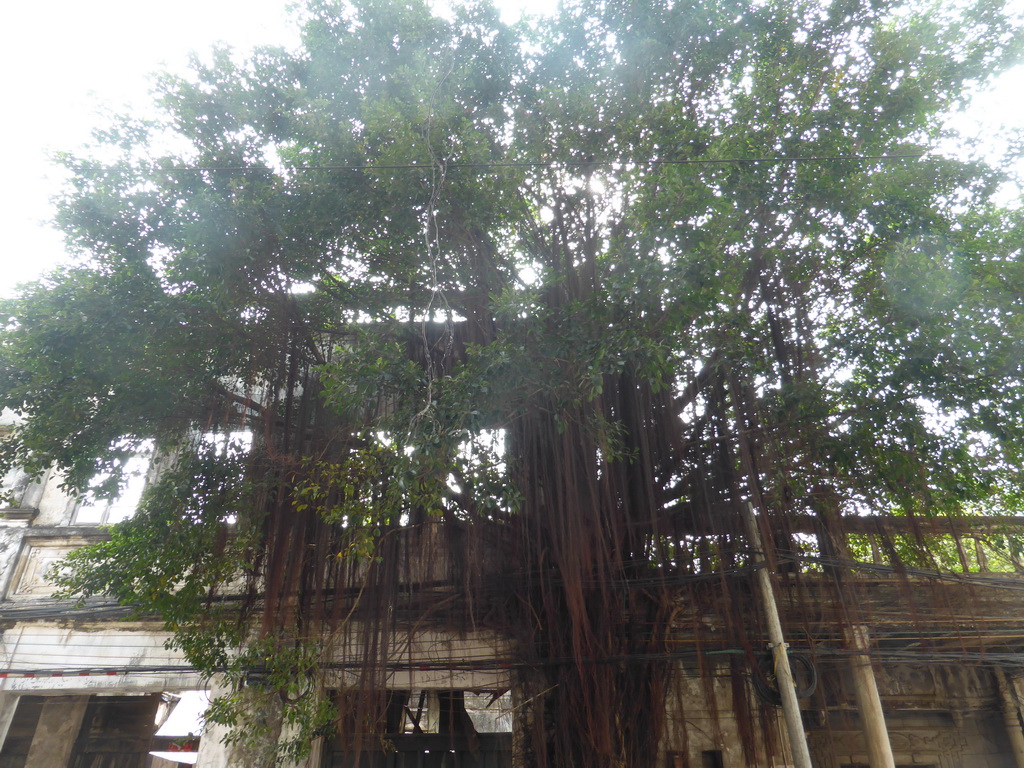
[[869, 703], [783, 672], [858, 642]]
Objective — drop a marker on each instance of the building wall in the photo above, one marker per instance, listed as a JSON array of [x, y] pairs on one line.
[[943, 716]]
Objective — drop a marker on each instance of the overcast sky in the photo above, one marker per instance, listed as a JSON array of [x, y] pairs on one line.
[[66, 61]]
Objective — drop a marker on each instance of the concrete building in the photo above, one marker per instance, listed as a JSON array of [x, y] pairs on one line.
[[81, 687]]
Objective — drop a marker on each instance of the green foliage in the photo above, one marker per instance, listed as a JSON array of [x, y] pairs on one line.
[[181, 549], [594, 280], [275, 707]]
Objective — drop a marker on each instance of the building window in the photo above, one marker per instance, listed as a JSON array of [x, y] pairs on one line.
[[110, 511]]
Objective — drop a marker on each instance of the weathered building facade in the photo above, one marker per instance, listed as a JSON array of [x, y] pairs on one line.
[[82, 687]]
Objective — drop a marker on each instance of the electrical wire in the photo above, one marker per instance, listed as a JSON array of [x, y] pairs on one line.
[[432, 167], [500, 663]]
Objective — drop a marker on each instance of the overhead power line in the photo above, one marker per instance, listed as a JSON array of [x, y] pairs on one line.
[[777, 160], [818, 653]]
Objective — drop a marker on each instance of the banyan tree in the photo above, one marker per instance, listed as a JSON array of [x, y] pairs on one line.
[[554, 305]]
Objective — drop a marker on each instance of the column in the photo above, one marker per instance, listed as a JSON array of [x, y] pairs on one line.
[[213, 752], [1011, 716], [263, 713], [57, 731], [8, 704]]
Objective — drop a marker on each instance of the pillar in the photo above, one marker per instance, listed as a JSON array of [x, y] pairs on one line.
[[57, 731], [263, 711], [8, 704], [213, 752], [1011, 716], [315, 751]]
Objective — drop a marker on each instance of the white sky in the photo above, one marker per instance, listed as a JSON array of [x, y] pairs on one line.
[[67, 61]]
